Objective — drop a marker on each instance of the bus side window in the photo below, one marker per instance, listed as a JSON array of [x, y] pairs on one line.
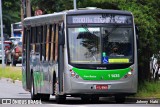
[[47, 44], [56, 43], [50, 43], [51, 39], [34, 39], [37, 41], [24, 40], [54, 39], [44, 42], [38, 30], [41, 41]]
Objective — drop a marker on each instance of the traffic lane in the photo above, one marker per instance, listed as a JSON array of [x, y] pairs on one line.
[[10, 89], [105, 100], [87, 105]]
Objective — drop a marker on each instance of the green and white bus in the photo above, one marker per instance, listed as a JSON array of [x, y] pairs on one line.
[[87, 53]]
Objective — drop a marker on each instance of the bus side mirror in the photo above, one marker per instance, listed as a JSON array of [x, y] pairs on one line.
[[137, 30], [137, 33], [61, 38]]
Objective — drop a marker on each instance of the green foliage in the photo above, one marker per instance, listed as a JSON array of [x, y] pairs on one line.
[[149, 89], [15, 73], [146, 19], [11, 13]]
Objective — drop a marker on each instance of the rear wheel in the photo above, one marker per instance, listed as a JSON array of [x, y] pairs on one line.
[[33, 95], [44, 97]]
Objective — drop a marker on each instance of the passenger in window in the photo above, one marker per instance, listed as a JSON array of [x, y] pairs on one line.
[[114, 51]]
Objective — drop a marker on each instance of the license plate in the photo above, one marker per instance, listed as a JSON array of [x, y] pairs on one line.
[[101, 87]]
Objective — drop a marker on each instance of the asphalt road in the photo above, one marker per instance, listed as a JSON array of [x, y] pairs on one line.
[[8, 90]]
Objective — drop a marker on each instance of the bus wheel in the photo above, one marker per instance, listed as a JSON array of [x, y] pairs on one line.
[[89, 99], [85, 99], [94, 99], [60, 99], [120, 99], [45, 97], [33, 95]]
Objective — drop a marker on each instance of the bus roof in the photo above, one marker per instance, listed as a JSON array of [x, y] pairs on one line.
[[95, 11], [60, 15]]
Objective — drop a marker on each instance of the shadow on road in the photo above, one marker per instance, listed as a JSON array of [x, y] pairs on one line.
[[78, 101]]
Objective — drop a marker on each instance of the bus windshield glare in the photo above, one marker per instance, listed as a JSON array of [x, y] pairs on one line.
[[100, 45]]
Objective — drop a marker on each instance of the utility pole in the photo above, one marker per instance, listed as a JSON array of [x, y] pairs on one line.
[[1, 19], [75, 4], [28, 8]]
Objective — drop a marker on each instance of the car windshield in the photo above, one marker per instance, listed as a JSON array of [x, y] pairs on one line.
[[100, 45]]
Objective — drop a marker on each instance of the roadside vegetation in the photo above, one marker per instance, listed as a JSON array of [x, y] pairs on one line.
[[149, 90], [14, 73]]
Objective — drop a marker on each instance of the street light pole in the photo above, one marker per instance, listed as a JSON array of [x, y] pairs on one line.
[[75, 4], [2, 34]]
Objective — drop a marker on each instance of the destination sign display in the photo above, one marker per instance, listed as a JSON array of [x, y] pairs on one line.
[[99, 18]]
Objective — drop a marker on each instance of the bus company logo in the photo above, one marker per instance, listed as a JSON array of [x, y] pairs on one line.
[[6, 101], [102, 68]]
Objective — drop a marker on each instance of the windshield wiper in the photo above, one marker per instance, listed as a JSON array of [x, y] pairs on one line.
[[113, 29]]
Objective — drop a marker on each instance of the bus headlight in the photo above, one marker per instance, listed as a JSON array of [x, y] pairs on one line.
[[130, 73], [73, 74]]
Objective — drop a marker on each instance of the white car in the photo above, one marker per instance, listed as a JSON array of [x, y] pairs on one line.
[[15, 40]]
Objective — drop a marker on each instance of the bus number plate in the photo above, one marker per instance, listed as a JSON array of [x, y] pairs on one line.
[[101, 87]]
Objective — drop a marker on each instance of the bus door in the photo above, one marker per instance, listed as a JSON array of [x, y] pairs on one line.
[[28, 73]]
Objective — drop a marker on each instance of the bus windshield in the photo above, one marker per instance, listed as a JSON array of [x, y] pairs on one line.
[[100, 45]]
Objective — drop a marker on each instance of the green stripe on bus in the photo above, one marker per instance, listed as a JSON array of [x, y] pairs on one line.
[[88, 74]]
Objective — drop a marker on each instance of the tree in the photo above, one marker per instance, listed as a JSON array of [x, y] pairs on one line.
[[11, 13]]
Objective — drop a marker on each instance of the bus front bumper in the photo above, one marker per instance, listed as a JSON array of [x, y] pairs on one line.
[[128, 86]]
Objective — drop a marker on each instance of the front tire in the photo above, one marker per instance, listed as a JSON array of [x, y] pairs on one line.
[[120, 99], [60, 99], [90, 99]]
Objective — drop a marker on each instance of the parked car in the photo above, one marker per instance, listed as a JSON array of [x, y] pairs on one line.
[[14, 55], [6, 46], [15, 40]]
